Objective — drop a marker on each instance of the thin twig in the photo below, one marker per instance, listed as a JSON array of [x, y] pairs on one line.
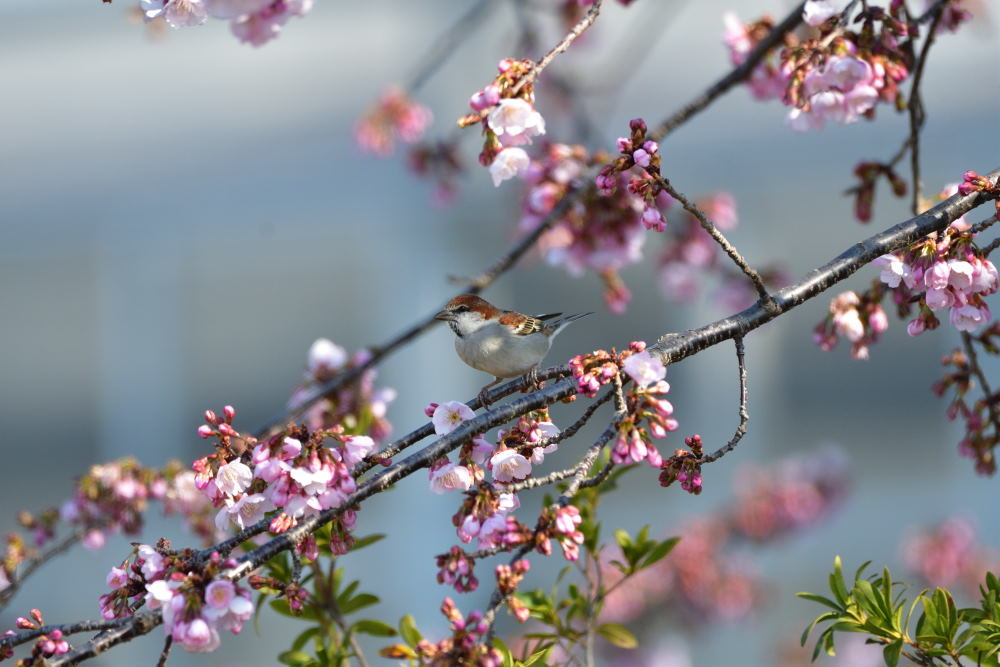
[[744, 415], [917, 113], [165, 653], [577, 30], [758, 283]]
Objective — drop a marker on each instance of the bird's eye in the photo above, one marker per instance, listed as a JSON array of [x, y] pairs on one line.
[[462, 309]]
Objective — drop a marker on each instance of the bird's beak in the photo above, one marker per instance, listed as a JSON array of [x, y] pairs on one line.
[[445, 316]]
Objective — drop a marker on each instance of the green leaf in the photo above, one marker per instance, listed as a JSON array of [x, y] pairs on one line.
[[660, 551], [359, 601], [408, 630], [820, 599], [891, 653], [623, 539], [376, 628], [508, 657], [618, 635], [362, 542], [541, 654], [296, 659], [304, 637], [826, 616], [837, 586]]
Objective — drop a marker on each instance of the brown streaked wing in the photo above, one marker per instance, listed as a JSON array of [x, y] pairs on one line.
[[521, 324]]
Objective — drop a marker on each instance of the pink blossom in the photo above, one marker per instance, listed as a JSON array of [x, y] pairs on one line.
[[961, 274], [451, 477], [937, 276], [515, 122], [507, 164], [915, 327], [196, 636], [116, 578], [893, 269], [968, 317], [449, 416], [325, 357], [245, 512], [508, 465], [481, 450], [219, 593], [356, 448], [644, 369], [816, 12], [233, 478], [93, 539], [936, 299], [878, 321], [485, 98]]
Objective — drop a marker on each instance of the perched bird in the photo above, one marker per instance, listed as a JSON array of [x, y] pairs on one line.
[[501, 342]]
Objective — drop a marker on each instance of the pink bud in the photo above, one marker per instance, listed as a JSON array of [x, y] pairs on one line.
[[915, 327], [624, 145], [966, 188], [230, 412], [429, 410], [226, 429], [210, 417], [205, 431], [971, 176], [637, 124]]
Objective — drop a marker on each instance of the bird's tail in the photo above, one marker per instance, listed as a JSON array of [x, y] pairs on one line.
[[555, 326]]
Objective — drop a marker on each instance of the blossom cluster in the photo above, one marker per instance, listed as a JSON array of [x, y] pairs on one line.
[[842, 71], [394, 117], [703, 577], [858, 318], [505, 109], [197, 603], [684, 466], [466, 645], [358, 406], [294, 472], [950, 273], [598, 232], [508, 579], [254, 22], [110, 497], [46, 646]]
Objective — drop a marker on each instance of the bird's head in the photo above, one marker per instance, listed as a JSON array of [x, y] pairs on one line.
[[467, 314]]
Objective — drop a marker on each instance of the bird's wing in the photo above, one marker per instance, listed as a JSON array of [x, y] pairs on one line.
[[520, 324], [547, 316]]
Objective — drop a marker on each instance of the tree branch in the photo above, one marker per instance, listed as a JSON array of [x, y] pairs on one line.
[[744, 415], [669, 348]]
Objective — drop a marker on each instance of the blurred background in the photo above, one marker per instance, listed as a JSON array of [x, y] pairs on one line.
[[181, 217]]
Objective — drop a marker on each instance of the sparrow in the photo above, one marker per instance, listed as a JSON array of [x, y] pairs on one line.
[[502, 343]]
